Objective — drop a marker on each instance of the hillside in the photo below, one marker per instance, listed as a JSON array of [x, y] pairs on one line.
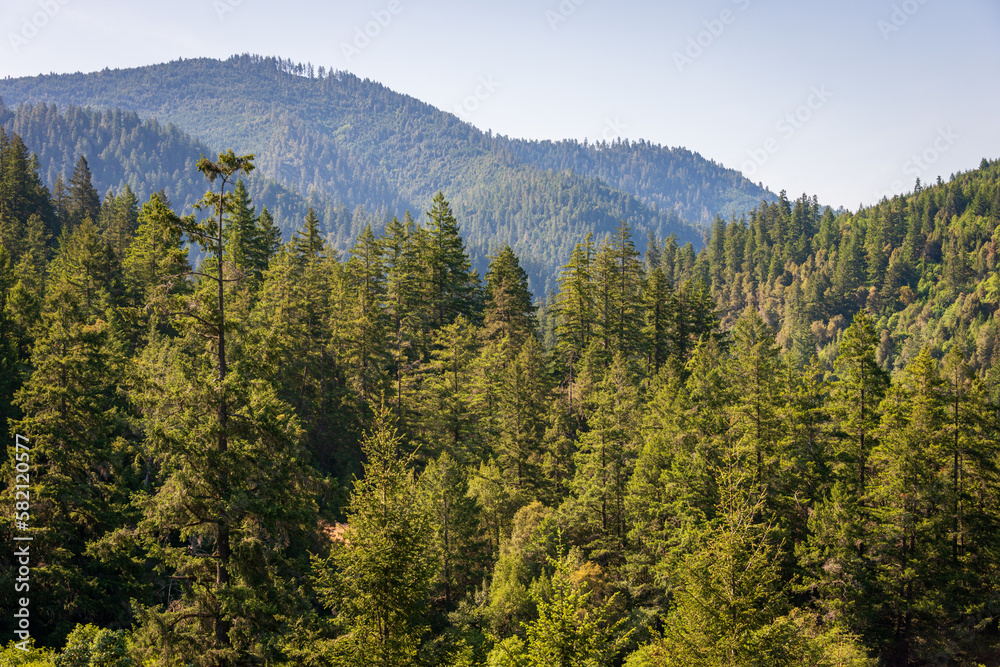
[[121, 149], [924, 264], [349, 143]]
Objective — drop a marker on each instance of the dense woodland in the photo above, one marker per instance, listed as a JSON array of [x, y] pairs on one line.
[[780, 449], [359, 153]]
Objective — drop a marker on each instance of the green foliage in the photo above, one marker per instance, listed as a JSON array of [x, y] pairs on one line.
[[378, 576], [13, 656], [741, 477], [572, 629], [90, 646]]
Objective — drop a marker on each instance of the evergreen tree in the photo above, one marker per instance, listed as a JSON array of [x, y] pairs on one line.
[[121, 220], [83, 202], [509, 312], [444, 488], [294, 348], [605, 462], [367, 351], [859, 388], [10, 360], [378, 576], [307, 241], [656, 305], [520, 411], [447, 414], [240, 230], [626, 317], [233, 482], [575, 308], [572, 628], [731, 607], [453, 286], [909, 516], [756, 413], [403, 307], [268, 238], [155, 263], [76, 419]]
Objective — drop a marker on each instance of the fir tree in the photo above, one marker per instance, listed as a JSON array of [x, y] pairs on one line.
[[83, 202], [378, 577], [509, 312], [453, 288]]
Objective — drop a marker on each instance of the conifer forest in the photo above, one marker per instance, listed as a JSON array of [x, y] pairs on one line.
[[249, 441]]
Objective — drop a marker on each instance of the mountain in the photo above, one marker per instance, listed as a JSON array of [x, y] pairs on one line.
[[361, 153]]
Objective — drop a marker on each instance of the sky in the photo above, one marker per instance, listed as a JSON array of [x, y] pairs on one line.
[[849, 100]]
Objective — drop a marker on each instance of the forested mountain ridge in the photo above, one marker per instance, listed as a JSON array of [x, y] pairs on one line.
[[924, 264], [348, 143]]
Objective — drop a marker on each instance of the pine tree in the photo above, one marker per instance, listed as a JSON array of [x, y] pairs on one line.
[[572, 628], [444, 488], [233, 480], [378, 577], [447, 415], [453, 287], [307, 241], [731, 607], [155, 264], [908, 538], [756, 413], [656, 301], [293, 322], [403, 307], [860, 386], [10, 361], [240, 230], [122, 221], [76, 419], [22, 193], [509, 312], [605, 462], [268, 238], [575, 309], [84, 202], [627, 290], [367, 352], [520, 411]]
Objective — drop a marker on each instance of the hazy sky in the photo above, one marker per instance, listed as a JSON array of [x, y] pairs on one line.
[[847, 100]]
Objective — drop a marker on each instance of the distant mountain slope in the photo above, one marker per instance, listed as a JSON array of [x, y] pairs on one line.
[[349, 143], [696, 188], [122, 149]]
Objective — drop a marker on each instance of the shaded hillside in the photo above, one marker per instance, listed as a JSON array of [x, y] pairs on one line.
[[696, 188], [121, 150]]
